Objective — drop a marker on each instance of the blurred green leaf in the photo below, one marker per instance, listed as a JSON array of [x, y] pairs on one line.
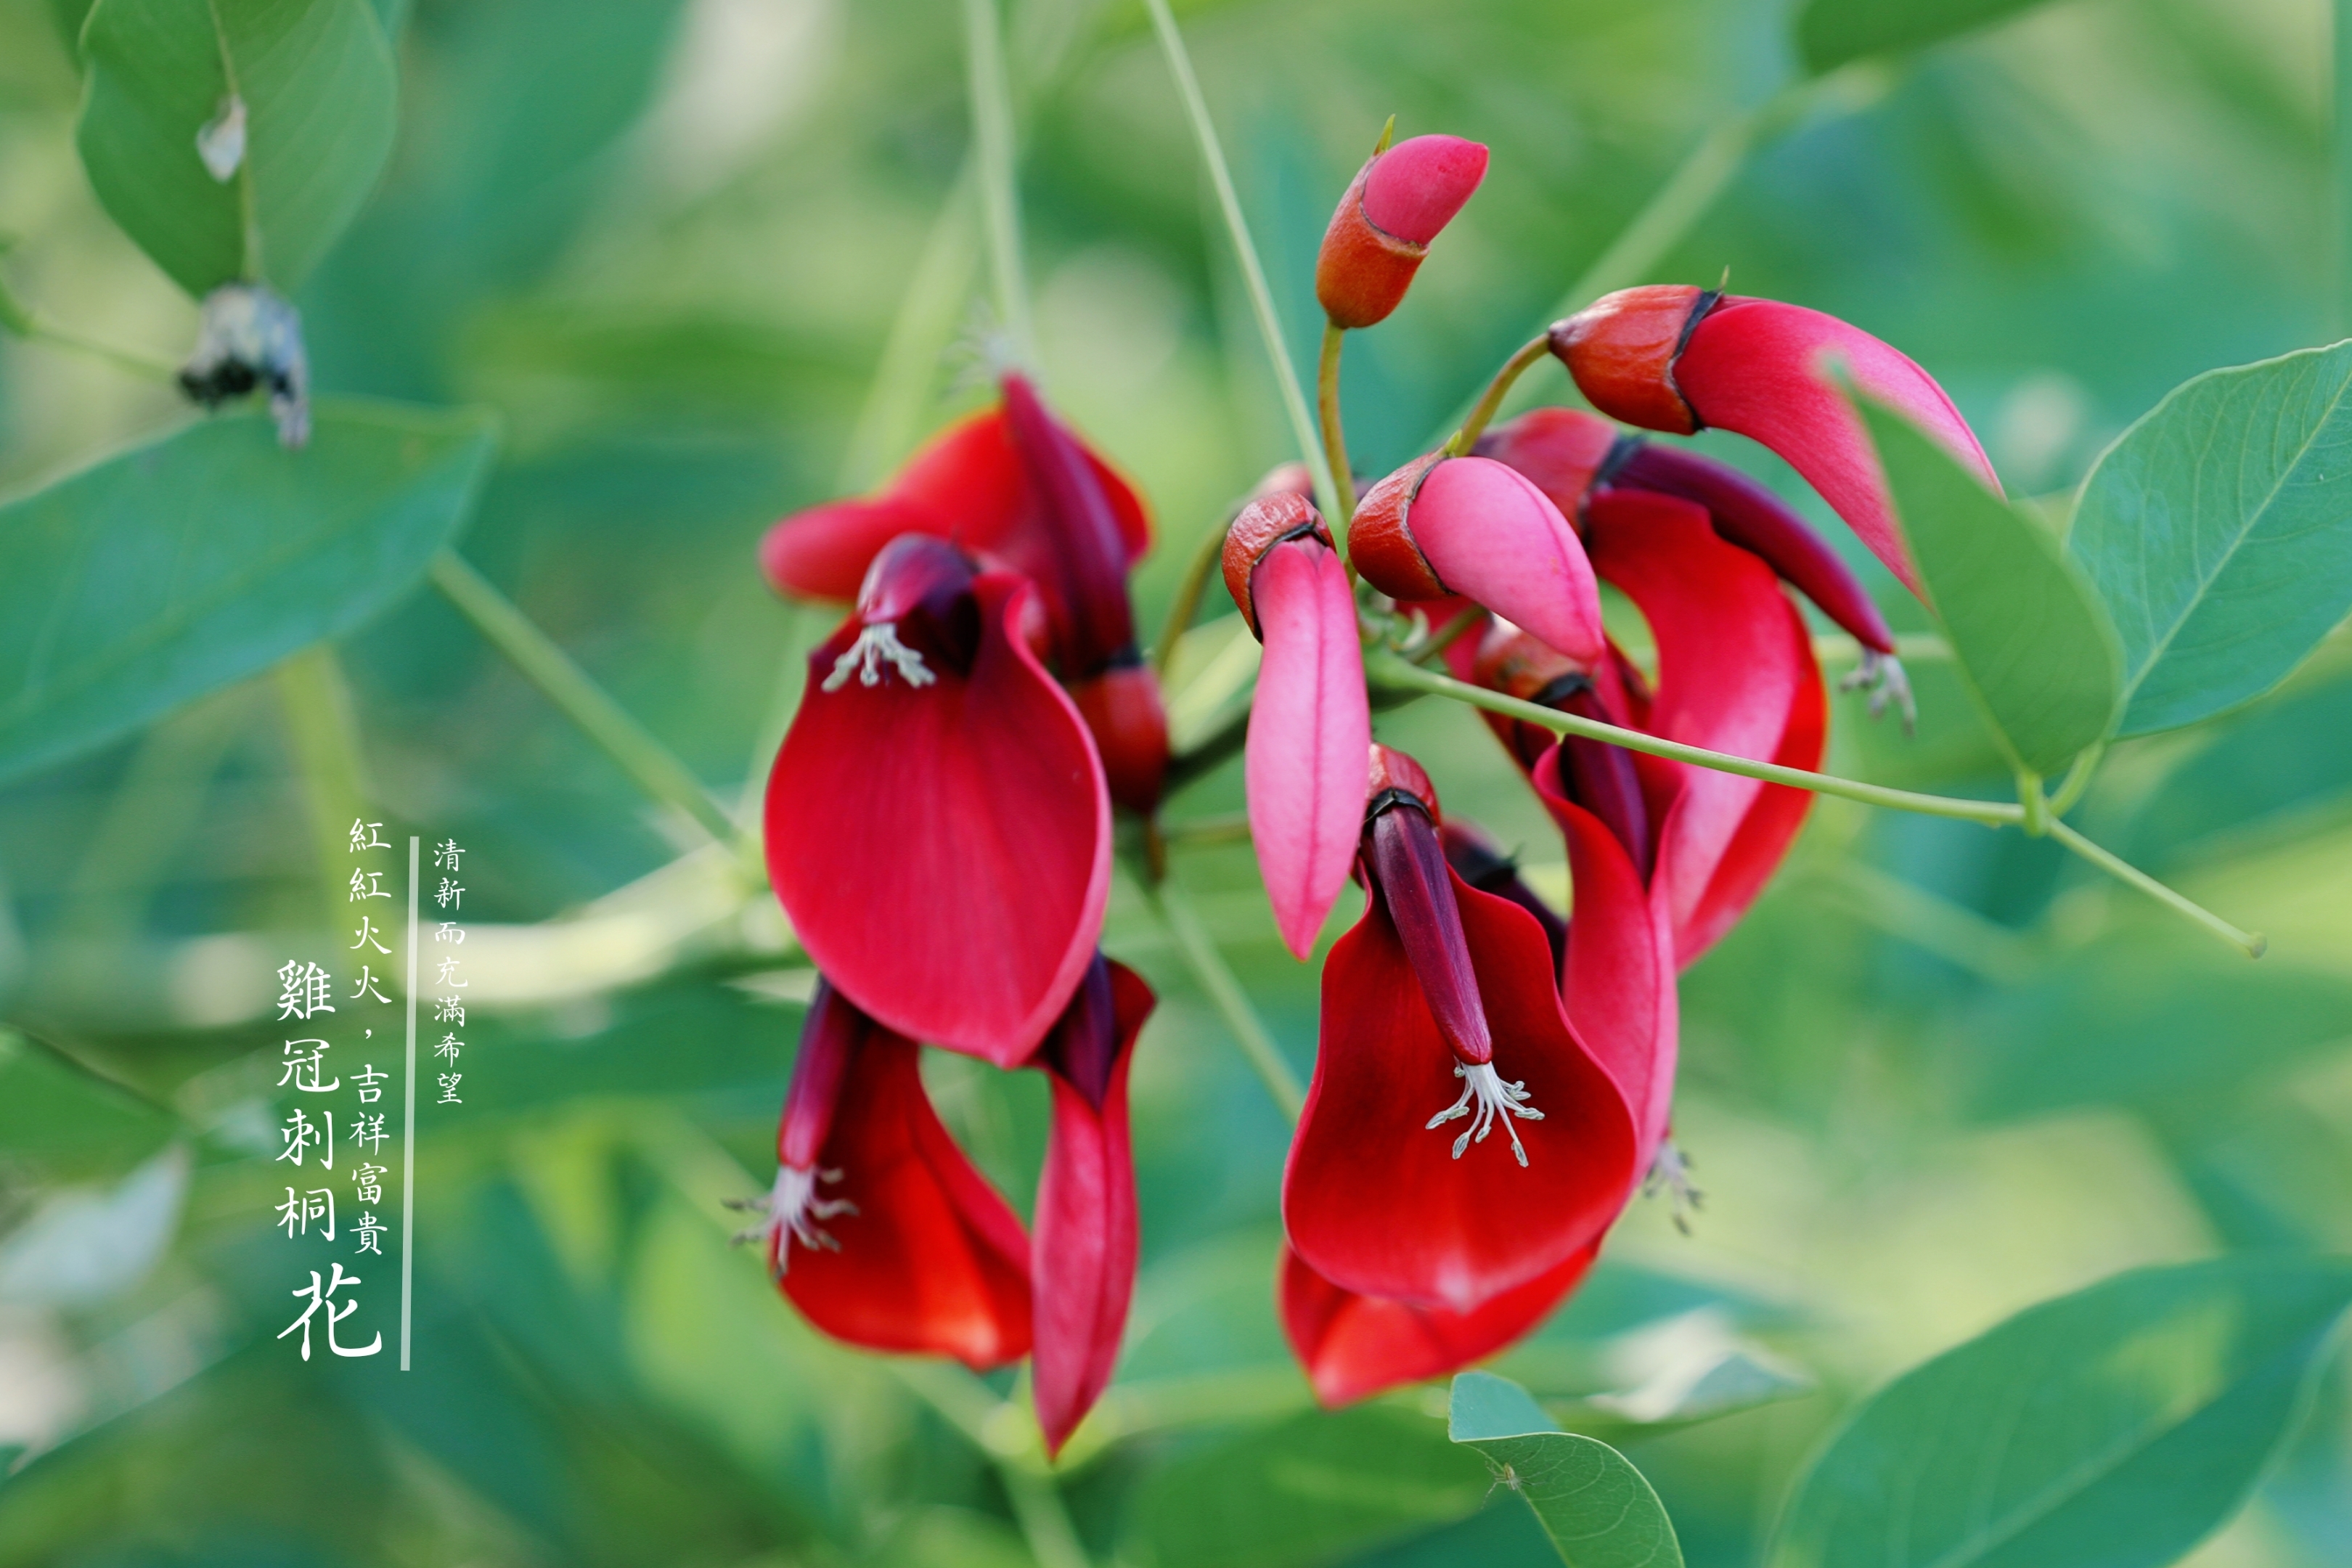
[[2136, 1020], [2218, 531], [1308, 1490], [58, 1123], [2025, 626], [317, 82], [1592, 1502], [205, 557], [2117, 1426], [1831, 31]]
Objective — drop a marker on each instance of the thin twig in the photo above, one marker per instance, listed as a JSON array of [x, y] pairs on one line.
[[1334, 433], [651, 765], [1187, 602], [1168, 902], [999, 191], [2253, 942], [1482, 413], [1269, 324]]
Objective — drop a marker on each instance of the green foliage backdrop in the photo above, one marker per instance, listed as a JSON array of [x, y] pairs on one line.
[[657, 271]]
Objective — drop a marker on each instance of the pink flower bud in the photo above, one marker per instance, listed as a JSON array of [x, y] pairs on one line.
[[1392, 210]]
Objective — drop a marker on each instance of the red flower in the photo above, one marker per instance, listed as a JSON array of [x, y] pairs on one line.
[[1310, 724], [1669, 357], [879, 1229], [1440, 981], [937, 827], [1397, 204], [1082, 1266], [1017, 491]]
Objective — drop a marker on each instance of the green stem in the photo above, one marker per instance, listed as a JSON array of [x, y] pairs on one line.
[[1044, 1523], [1335, 435], [2253, 942], [1482, 413], [2037, 804], [1453, 632], [1911, 648], [2077, 780], [1269, 324], [325, 739], [653, 767], [1168, 901], [999, 191], [1234, 827], [1389, 671], [1187, 602]]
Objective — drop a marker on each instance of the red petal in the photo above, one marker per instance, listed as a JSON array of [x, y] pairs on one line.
[[1758, 367], [1736, 673], [1561, 449], [1354, 1346], [1373, 1198], [1413, 189], [823, 552], [1309, 732], [965, 484], [1079, 555], [1618, 982], [944, 853], [1082, 1266], [933, 1261]]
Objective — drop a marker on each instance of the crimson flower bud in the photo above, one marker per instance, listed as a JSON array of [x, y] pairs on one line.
[[1675, 358], [1397, 204], [1442, 526], [1122, 711]]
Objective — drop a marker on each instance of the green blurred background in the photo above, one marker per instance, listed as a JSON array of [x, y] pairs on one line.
[[1938, 1073]]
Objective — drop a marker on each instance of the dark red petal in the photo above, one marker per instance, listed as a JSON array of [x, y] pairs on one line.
[[933, 1261], [1373, 1198], [829, 1035], [1618, 983], [1480, 861], [944, 852], [1354, 1346], [1758, 367], [1084, 559], [1756, 520], [1410, 877], [1082, 1266], [1736, 673]]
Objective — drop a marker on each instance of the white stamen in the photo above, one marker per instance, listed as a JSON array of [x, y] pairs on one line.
[[877, 645], [793, 1210], [1670, 1174], [1882, 674], [1493, 1098]]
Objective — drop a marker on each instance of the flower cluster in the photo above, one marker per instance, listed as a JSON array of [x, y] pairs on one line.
[[938, 831], [1493, 1081]]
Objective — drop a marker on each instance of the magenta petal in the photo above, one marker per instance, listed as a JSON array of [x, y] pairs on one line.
[[1311, 731], [944, 851], [1374, 1198], [1762, 368], [1082, 1267], [1414, 188], [1488, 533]]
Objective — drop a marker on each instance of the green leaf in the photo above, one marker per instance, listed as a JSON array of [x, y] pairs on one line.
[[60, 1123], [1831, 31], [2218, 529], [2026, 629], [1594, 1505], [1313, 1489], [2112, 1428], [317, 81], [190, 563]]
